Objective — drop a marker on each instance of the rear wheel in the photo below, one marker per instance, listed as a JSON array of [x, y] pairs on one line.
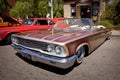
[[80, 55]]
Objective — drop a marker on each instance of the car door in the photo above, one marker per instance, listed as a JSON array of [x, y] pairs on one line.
[[96, 38]]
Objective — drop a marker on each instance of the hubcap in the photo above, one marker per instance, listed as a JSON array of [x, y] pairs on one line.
[[80, 55]]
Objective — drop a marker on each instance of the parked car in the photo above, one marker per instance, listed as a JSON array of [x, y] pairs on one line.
[[30, 24], [64, 45], [3, 23], [6, 20], [57, 19]]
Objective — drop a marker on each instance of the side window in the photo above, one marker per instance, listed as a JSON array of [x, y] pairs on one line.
[[50, 22], [41, 22], [37, 23], [44, 22], [28, 21]]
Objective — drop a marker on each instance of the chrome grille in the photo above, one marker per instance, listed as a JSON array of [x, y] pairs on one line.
[[32, 44]]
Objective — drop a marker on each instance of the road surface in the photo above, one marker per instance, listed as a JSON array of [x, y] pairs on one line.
[[102, 64]]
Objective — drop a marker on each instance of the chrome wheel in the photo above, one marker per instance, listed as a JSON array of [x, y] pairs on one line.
[[80, 55]]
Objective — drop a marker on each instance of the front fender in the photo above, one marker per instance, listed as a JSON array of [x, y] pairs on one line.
[[83, 44], [5, 34]]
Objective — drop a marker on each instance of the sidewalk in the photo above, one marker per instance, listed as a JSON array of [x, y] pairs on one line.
[[115, 33]]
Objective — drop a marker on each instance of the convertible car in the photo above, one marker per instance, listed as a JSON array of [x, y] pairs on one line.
[[9, 26], [66, 44]]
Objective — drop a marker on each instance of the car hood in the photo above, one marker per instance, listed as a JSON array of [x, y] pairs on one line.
[[56, 36], [8, 18]]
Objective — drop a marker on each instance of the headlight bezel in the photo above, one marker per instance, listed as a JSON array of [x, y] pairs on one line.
[[56, 50], [59, 49]]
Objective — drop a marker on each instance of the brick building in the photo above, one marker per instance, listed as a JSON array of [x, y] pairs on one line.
[[83, 8]]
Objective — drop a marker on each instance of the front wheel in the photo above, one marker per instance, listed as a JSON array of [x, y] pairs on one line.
[[8, 39], [80, 55]]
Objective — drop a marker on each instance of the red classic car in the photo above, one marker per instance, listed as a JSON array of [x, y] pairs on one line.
[[28, 25], [64, 45]]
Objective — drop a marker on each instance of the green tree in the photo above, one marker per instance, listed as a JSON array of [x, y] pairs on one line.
[[43, 8], [117, 14], [58, 8], [112, 12], [2, 6], [21, 9], [111, 17], [36, 8]]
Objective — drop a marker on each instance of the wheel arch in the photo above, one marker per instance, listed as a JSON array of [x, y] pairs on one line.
[[86, 46], [9, 34]]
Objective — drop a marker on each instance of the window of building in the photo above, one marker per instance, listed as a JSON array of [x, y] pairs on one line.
[[95, 8], [73, 10]]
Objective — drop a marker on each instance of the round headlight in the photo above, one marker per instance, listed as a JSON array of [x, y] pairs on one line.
[[58, 49], [50, 48]]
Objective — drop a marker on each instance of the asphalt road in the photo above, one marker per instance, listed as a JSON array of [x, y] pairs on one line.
[[102, 64]]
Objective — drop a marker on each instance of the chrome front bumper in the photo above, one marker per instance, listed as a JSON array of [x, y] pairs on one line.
[[47, 59]]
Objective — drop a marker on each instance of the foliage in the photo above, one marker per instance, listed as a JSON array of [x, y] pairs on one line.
[[117, 15], [117, 27], [58, 8], [107, 24], [112, 12], [111, 17], [43, 10], [36, 8], [2, 6], [21, 9]]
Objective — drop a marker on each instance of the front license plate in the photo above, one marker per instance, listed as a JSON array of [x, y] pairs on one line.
[[27, 56]]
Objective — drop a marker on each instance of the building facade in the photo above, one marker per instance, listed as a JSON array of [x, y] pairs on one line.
[[83, 8]]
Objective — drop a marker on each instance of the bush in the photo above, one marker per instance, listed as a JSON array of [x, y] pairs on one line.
[[107, 24], [117, 27]]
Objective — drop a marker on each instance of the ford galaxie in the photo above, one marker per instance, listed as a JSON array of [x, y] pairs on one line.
[[66, 44]]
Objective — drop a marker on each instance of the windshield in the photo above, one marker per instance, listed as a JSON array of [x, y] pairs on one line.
[[28, 21], [73, 24]]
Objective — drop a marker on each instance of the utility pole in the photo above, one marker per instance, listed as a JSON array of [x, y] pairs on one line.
[[52, 9]]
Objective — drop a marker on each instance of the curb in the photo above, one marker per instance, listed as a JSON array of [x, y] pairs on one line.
[[115, 35]]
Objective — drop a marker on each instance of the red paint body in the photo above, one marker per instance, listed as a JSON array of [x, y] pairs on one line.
[[8, 30]]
